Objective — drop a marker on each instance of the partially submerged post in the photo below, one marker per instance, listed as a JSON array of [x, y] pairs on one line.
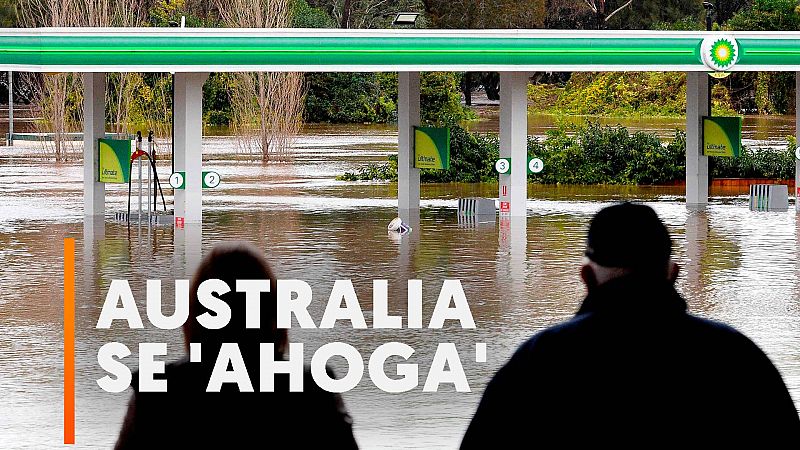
[[10, 140]]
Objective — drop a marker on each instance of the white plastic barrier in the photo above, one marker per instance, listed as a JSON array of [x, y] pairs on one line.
[[476, 206], [769, 197]]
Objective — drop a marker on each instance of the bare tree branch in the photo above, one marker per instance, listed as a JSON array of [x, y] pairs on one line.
[[267, 107], [618, 10]]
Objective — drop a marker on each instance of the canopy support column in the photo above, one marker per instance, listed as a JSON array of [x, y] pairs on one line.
[[697, 106], [513, 189], [188, 117], [797, 136], [408, 116], [94, 128]]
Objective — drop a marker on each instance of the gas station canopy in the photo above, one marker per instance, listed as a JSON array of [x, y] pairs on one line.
[[333, 50]]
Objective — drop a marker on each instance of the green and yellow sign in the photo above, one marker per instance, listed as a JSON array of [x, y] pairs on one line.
[[115, 158], [431, 148], [722, 136]]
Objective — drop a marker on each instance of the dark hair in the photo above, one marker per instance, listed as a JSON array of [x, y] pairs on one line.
[[230, 262], [630, 236]]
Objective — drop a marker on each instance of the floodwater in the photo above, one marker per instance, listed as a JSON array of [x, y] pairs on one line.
[[739, 267]]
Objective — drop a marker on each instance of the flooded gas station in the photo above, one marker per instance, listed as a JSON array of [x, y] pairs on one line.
[[519, 269]]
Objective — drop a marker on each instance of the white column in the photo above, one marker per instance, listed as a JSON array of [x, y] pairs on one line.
[[407, 119], [513, 141], [10, 108], [797, 135], [94, 128], [696, 162], [188, 144]]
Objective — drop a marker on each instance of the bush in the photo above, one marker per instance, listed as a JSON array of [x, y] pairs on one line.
[[597, 154]]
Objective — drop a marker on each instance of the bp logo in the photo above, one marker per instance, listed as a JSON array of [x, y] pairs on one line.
[[719, 52]]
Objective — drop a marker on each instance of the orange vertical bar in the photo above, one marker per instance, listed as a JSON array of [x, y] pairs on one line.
[[69, 340]]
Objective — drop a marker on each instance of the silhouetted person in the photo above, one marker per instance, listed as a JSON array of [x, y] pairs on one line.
[[633, 367], [186, 416]]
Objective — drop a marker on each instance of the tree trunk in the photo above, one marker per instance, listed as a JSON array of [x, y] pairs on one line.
[[345, 14]]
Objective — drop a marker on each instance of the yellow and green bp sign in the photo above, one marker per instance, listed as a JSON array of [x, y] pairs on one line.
[[115, 157], [431, 148], [722, 136]]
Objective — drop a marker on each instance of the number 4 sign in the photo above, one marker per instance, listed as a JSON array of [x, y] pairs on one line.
[[535, 165]]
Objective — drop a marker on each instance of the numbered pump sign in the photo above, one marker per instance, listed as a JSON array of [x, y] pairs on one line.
[[535, 165], [503, 165], [211, 179]]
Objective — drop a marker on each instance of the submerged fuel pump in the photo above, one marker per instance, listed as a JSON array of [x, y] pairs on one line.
[[137, 156]]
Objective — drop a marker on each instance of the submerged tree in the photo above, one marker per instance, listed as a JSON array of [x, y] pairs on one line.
[[124, 86], [267, 108], [58, 96]]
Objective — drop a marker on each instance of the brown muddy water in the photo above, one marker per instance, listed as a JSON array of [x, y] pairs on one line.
[[738, 266]]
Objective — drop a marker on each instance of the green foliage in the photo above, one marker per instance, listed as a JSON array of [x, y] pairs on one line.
[[767, 93], [440, 99], [372, 98], [758, 163], [306, 16], [690, 23], [165, 13], [767, 15], [372, 171], [621, 94], [217, 110], [8, 13], [597, 154], [590, 154], [644, 14], [347, 98]]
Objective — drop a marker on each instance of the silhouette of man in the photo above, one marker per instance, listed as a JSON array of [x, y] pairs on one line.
[[633, 367]]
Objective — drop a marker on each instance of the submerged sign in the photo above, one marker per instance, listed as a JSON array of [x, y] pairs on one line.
[[722, 136], [431, 148], [115, 157]]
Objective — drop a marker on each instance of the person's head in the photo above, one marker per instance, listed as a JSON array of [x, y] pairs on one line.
[[230, 262], [627, 239]]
